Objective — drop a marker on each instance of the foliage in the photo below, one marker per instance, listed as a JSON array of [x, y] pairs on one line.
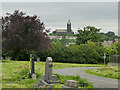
[[88, 33], [109, 72], [109, 36], [111, 50], [77, 53], [23, 34], [118, 47]]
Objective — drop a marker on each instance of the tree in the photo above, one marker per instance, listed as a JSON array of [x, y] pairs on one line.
[[23, 33], [88, 33], [84, 53]]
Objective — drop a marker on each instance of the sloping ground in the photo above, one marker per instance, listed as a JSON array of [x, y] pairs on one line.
[[98, 82]]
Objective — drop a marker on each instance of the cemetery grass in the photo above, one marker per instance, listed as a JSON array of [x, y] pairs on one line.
[[11, 78], [109, 72]]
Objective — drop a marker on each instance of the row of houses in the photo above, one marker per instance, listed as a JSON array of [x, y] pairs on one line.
[[60, 37], [109, 43]]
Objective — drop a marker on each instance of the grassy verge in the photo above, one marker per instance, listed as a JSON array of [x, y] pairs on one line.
[[15, 73], [109, 72]]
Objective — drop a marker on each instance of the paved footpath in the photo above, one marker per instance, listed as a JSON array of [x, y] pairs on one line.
[[98, 82]]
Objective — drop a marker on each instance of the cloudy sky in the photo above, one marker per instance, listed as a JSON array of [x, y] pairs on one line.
[[56, 14]]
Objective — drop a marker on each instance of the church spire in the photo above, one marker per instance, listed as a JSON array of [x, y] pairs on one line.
[[68, 26], [68, 21]]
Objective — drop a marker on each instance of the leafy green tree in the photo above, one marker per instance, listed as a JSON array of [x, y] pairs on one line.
[[84, 53], [112, 50], [88, 33], [119, 48], [109, 36]]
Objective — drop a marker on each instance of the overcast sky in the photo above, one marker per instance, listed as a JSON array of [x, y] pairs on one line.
[[56, 14]]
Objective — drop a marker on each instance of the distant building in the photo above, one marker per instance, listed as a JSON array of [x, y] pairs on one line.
[[109, 43], [60, 37], [67, 31]]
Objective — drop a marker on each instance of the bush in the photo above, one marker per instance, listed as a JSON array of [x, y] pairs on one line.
[[84, 53]]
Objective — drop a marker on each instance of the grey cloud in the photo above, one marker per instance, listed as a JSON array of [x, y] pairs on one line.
[[55, 15]]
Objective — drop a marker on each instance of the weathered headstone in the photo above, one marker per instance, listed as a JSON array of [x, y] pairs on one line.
[[48, 79], [48, 70], [34, 76], [7, 58], [38, 59], [70, 84]]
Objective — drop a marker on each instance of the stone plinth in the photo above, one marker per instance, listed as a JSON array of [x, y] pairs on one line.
[[70, 84], [48, 79]]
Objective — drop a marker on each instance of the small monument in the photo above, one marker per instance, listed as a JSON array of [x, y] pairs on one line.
[[38, 59], [70, 84], [48, 79]]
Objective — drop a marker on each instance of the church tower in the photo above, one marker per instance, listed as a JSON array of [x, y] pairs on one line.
[[69, 26]]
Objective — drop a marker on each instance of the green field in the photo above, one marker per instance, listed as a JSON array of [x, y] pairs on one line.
[[11, 70], [109, 72]]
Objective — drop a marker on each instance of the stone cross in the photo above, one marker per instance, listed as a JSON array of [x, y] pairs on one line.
[[48, 70], [33, 75]]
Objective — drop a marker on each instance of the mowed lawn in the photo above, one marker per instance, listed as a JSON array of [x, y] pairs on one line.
[[9, 67]]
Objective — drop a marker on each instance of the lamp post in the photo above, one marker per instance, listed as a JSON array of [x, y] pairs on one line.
[[104, 58]]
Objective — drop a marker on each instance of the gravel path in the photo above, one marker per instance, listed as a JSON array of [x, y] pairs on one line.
[[98, 82]]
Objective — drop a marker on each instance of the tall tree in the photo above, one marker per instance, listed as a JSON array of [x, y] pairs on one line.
[[23, 32], [88, 33]]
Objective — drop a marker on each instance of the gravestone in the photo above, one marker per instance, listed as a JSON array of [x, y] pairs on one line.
[[70, 84], [8, 58], [33, 76], [48, 70], [38, 59], [48, 79]]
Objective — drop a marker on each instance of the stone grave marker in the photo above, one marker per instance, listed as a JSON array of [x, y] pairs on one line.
[[48, 79], [70, 84], [8, 58], [48, 70], [33, 75], [38, 59]]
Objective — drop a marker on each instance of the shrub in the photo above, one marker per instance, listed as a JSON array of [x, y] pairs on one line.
[[84, 53]]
